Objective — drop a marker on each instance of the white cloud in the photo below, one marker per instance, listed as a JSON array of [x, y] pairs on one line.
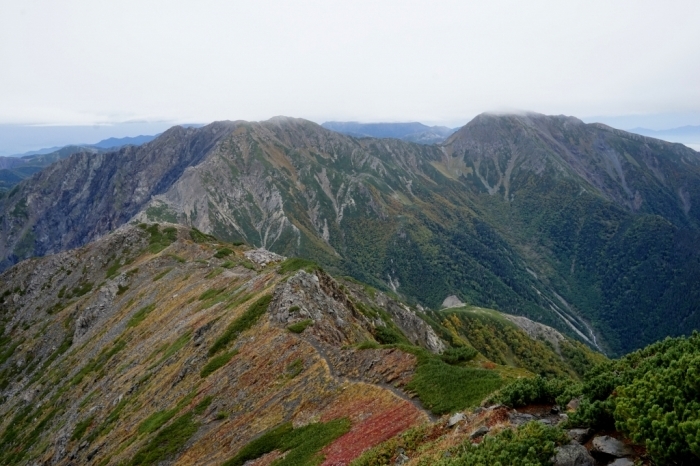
[[78, 62]]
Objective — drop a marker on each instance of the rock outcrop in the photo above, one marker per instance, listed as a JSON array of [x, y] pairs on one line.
[[607, 445], [573, 454]]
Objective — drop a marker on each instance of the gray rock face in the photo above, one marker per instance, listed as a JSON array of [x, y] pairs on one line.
[[262, 257], [611, 446], [580, 435], [336, 319], [480, 432], [536, 331], [520, 419], [416, 329], [573, 404], [452, 301], [81, 198], [455, 419], [306, 296], [572, 455]]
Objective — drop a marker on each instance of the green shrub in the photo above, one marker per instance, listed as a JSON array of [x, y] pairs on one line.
[[537, 390], [295, 368], [264, 444], [223, 252], [389, 335], [368, 344], [211, 293], [217, 362], [443, 388], [532, 444], [199, 237], [241, 324], [302, 445], [203, 405], [214, 273], [297, 263], [140, 315], [159, 240], [300, 326], [652, 395], [661, 410], [457, 355], [81, 428], [112, 269], [156, 420], [167, 442], [162, 274]]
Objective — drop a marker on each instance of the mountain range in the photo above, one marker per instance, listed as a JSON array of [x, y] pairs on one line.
[[14, 169], [589, 229], [685, 134], [277, 293]]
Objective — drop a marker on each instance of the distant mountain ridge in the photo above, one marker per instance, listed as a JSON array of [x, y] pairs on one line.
[[585, 228], [684, 134], [14, 169], [109, 143], [412, 132]]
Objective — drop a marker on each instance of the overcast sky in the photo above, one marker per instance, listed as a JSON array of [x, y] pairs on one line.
[[74, 62]]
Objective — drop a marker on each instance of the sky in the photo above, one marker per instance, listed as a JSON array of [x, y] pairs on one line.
[[128, 65]]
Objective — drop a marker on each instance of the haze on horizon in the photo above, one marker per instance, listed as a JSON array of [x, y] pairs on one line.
[[156, 63]]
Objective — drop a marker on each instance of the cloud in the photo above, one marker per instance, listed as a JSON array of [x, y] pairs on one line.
[[78, 62]]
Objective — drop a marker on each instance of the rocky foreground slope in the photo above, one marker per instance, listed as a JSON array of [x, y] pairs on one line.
[[160, 343]]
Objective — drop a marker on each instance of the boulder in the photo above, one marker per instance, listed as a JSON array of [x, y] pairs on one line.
[[480, 432], [572, 455], [573, 404], [455, 419], [519, 419], [263, 257], [580, 435], [611, 446]]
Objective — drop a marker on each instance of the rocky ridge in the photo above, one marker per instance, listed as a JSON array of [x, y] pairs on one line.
[[156, 330]]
